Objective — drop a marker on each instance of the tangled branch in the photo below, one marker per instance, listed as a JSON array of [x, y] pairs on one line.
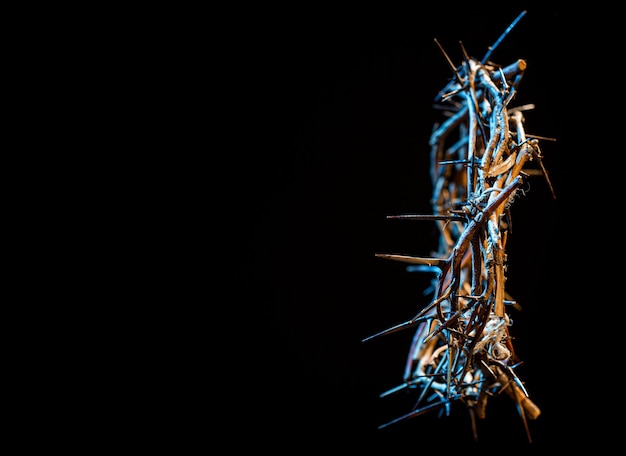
[[462, 349]]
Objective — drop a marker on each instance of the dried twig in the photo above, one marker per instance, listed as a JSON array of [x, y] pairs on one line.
[[462, 349]]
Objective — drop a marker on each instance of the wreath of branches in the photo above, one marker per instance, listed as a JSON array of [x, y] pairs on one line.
[[480, 155]]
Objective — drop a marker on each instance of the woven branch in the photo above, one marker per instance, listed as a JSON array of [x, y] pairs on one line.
[[462, 349]]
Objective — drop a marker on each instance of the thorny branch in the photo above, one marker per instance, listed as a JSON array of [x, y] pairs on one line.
[[462, 349]]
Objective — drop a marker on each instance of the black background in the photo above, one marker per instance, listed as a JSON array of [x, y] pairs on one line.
[[333, 113], [244, 159]]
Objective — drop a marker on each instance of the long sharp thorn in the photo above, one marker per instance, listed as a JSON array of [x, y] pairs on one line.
[[414, 413], [499, 40], [393, 329]]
